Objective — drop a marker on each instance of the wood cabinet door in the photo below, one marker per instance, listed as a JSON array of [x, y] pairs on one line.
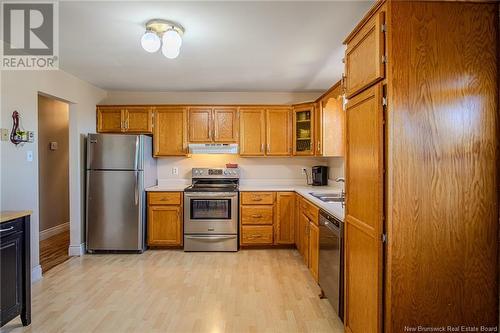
[[314, 250], [304, 237], [164, 225], [252, 131], [285, 218], [364, 212], [169, 137], [364, 64], [278, 132], [225, 124], [139, 119], [331, 129], [200, 124], [110, 119], [303, 130]]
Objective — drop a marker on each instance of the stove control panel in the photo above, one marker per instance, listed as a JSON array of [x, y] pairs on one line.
[[215, 173]]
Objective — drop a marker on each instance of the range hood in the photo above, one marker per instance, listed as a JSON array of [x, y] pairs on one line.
[[213, 148]]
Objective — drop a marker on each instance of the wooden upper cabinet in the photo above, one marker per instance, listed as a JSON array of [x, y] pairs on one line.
[[169, 137], [139, 119], [364, 212], [279, 132], [200, 124], [331, 126], [303, 129], [225, 124], [110, 119], [284, 230], [364, 63], [252, 131]]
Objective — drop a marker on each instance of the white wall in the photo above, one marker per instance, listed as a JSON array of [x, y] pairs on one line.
[[272, 168], [18, 177], [141, 97]]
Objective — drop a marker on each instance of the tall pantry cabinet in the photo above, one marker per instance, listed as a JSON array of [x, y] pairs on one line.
[[421, 220]]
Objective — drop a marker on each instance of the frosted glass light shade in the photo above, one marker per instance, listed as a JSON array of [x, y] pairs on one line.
[[150, 42], [170, 52], [172, 39]]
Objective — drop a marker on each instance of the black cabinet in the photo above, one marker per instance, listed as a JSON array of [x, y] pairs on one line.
[[15, 271]]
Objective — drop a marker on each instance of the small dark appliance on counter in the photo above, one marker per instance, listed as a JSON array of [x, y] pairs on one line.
[[319, 175]]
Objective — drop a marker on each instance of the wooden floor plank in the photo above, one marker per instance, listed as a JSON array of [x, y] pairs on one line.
[[174, 291]]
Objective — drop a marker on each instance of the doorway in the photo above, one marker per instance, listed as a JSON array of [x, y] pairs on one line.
[[53, 178]]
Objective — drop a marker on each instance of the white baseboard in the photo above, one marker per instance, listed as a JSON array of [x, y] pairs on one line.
[[54, 230], [76, 250], [36, 273]]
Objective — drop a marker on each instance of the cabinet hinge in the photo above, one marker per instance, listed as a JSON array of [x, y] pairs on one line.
[[383, 28], [384, 238], [384, 59], [384, 101]]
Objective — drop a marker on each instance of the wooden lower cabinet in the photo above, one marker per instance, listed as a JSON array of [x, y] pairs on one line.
[[164, 219], [284, 229], [314, 250], [304, 237]]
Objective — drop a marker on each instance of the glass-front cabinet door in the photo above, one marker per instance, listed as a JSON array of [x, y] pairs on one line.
[[303, 129]]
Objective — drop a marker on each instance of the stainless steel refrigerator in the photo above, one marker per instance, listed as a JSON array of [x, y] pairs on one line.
[[119, 168]]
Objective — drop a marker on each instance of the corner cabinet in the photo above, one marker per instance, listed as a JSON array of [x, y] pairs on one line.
[[330, 123], [125, 119], [170, 131], [165, 219], [303, 129]]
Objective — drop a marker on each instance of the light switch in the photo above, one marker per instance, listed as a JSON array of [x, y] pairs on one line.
[[29, 156], [175, 171], [53, 145]]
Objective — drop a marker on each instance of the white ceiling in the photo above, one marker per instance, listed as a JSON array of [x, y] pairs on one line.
[[227, 46]]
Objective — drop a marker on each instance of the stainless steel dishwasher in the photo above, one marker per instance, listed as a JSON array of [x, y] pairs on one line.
[[331, 260]]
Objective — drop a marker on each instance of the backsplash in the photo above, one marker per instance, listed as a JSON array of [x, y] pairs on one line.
[[273, 168]]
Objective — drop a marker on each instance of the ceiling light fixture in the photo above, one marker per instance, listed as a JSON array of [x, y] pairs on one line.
[[165, 35]]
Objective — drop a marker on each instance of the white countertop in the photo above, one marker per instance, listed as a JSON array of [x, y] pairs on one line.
[[334, 208]]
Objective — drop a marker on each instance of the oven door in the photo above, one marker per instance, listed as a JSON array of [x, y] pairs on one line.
[[211, 213]]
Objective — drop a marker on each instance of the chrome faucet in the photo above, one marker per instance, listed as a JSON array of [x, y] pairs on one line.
[[341, 180]]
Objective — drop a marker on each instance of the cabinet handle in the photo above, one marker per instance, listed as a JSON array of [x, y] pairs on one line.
[[319, 146], [262, 147], [268, 148], [257, 216], [8, 229]]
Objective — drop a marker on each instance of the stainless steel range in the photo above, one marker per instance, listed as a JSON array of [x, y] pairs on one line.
[[211, 210]]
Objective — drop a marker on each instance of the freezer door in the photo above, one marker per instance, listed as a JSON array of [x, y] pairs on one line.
[[114, 152], [115, 210]]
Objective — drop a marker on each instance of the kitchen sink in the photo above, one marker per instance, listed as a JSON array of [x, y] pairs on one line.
[[329, 197]]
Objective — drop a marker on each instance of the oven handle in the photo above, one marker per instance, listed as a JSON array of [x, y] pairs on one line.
[[210, 238], [209, 195]]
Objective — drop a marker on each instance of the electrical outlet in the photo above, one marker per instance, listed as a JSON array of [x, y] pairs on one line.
[[175, 171], [4, 134], [304, 171]]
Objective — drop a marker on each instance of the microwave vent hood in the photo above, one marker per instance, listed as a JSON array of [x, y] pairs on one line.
[[213, 148]]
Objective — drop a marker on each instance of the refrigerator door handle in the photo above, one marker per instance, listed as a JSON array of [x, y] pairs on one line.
[[136, 187], [136, 159]]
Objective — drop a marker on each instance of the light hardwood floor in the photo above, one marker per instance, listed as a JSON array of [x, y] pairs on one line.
[[173, 291]]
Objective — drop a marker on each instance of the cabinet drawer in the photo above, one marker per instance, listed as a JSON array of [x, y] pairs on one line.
[[11, 227], [309, 210], [257, 198], [164, 198], [257, 214], [256, 234]]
